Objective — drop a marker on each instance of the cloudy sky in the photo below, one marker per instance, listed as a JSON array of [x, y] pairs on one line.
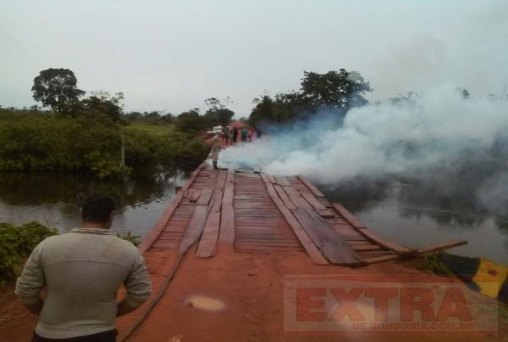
[[171, 55]]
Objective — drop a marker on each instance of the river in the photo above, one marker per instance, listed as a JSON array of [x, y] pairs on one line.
[[395, 210]]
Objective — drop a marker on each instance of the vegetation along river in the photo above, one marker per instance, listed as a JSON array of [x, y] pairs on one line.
[[398, 211]]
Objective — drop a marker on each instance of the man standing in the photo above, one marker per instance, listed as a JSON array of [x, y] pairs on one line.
[[216, 147], [82, 272]]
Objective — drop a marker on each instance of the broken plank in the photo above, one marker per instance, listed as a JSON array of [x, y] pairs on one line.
[[441, 246], [385, 243], [330, 243]]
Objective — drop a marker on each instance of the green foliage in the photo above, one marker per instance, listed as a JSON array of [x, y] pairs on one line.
[[334, 91], [101, 107], [56, 88], [16, 244], [217, 113], [134, 239], [49, 143], [191, 122], [433, 265]]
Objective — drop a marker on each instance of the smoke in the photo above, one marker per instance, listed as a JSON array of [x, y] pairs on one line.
[[438, 138]]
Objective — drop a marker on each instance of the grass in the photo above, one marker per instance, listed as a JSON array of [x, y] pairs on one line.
[[154, 130]]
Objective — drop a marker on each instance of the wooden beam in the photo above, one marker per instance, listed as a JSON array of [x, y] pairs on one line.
[[441, 246], [385, 243], [300, 233], [208, 242], [348, 216], [227, 223], [311, 186], [284, 197], [150, 238], [334, 248]]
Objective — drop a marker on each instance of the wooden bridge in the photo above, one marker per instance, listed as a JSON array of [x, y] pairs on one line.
[[254, 212], [250, 212]]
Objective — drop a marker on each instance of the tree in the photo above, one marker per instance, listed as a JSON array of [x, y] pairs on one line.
[[191, 121], [218, 113], [56, 88], [338, 90], [262, 112], [102, 107]]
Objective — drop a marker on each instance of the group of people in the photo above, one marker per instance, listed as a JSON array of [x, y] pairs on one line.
[[233, 135]]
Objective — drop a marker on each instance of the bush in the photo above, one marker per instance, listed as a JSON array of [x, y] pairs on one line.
[[16, 244]]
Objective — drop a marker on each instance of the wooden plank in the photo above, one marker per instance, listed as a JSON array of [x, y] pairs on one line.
[[296, 198], [195, 196], [326, 213], [366, 248], [194, 229], [282, 181], [272, 179], [383, 258], [151, 237], [312, 200], [348, 216], [330, 243], [311, 186], [208, 243], [385, 243], [284, 197], [441, 246], [227, 224], [206, 193], [300, 233]]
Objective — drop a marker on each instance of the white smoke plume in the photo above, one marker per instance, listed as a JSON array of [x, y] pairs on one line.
[[439, 132]]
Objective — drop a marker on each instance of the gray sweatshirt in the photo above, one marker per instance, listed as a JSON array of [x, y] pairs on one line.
[[82, 272]]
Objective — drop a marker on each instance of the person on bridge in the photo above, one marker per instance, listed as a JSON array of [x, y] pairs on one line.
[[81, 272], [216, 147]]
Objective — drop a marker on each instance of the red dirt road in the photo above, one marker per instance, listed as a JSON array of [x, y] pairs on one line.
[[249, 287]]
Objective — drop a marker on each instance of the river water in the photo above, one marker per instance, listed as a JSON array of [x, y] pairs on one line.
[[395, 210]]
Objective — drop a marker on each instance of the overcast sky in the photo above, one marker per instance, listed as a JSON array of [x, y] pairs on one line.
[[171, 55]]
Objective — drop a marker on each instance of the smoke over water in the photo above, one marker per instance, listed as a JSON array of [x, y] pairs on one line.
[[440, 140]]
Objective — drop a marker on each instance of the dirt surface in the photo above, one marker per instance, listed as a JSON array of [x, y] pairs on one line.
[[238, 297]]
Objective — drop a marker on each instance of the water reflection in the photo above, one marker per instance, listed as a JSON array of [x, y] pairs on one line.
[[55, 199], [418, 213]]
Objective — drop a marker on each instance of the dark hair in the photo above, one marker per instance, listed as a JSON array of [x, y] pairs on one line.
[[98, 208]]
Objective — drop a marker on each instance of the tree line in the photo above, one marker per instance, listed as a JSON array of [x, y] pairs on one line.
[[76, 132]]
